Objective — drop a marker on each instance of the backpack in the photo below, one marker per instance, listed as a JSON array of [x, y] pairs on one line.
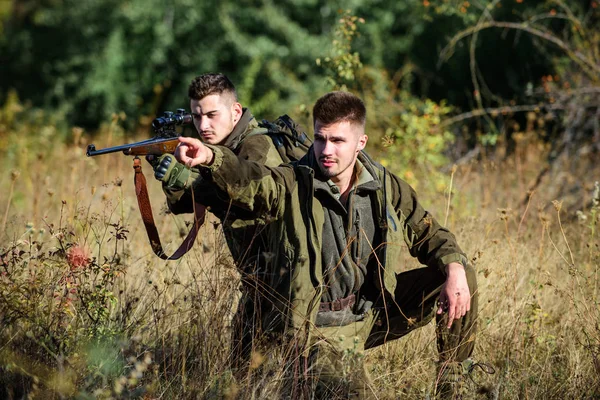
[[289, 137]]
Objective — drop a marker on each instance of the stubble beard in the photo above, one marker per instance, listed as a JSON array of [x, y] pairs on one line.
[[329, 173]]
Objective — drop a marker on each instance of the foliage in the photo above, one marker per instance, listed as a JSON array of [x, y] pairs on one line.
[[416, 142], [404, 129], [88, 60], [342, 66], [57, 304], [137, 56], [565, 37]]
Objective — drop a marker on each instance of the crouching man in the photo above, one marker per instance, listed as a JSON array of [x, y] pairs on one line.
[[339, 222]]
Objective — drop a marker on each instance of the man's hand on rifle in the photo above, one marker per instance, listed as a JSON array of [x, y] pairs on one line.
[[172, 174], [192, 152]]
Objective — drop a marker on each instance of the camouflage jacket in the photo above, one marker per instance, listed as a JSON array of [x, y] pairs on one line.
[[283, 200], [241, 235]]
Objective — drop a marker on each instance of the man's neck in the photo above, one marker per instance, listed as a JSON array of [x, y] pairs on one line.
[[344, 183], [231, 140]]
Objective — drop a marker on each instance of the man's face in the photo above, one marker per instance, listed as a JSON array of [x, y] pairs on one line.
[[336, 148], [215, 116]]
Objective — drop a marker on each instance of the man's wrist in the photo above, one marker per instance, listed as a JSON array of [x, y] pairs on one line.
[[210, 158], [214, 158], [454, 267], [458, 258]]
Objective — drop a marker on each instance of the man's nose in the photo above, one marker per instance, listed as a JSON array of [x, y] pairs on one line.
[[328, 148], [204, 124]]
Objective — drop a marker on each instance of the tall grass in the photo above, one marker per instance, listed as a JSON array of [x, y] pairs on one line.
[[87, 311]]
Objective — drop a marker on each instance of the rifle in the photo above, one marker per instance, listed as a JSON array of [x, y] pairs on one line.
[[164, 141]]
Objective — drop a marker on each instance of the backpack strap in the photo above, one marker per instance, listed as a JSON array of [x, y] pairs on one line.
[[289, 138], [298, 135], [284, 125], [141, 192]]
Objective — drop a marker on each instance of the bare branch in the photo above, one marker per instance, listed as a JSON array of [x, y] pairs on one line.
[[588, 66], [499, 110]]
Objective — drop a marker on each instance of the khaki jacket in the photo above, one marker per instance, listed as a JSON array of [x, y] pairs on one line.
[[282, 199], [242, 238]]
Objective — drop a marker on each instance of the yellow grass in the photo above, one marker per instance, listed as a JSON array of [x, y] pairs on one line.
[[168, 322]]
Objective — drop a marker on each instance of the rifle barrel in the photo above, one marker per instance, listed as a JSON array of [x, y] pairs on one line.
[[126, 148]]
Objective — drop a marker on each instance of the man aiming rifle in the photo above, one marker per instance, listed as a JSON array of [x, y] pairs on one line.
[[221, 120]]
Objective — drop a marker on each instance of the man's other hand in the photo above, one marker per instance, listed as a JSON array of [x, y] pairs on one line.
[[167, 170], [455, 297], [192, 152]]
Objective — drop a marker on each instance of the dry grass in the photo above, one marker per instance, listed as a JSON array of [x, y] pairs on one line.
[[131, 325]]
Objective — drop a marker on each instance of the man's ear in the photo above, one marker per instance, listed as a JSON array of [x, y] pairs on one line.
[[362, 142], [236, 112]]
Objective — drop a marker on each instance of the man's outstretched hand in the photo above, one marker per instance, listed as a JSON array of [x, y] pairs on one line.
[[192, 152]]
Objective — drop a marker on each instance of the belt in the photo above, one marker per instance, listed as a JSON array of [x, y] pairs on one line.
[[338, 305]]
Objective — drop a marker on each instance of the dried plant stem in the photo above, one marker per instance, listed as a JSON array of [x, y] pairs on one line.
[[10, 195], [543, 235], [449, 195], [513, 261], [524, 214], [562, 231], [183, 369], [557, 250]]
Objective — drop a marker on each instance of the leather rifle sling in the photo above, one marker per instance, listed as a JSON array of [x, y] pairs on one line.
[[141, 192]]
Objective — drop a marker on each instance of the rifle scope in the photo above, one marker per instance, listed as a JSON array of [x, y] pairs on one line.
[[169, 118]]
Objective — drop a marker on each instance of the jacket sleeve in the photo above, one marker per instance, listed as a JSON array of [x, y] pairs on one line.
[[257, 148], [432, 244], [252, 186], [182, 201]]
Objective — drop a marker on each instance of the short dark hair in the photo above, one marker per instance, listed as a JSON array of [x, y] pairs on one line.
[[339, 107], [208, 84]]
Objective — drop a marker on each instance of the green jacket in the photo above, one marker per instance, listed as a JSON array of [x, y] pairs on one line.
[[241, 235], [283, 200]]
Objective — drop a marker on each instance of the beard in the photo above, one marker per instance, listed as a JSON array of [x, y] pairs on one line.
[[327, 172], [332, 172]]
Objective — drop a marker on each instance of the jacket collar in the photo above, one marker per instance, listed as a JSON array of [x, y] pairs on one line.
[[369, 175], [365, 182], [243, 127]]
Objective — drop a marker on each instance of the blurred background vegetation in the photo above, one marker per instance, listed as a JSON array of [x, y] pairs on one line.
[[82, 62], [88, 59]]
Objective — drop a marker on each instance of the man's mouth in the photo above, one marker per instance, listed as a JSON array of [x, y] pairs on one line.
[[328, 162]]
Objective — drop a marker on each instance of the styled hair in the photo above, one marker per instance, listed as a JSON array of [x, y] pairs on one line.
[[208, 84], [339, 107]]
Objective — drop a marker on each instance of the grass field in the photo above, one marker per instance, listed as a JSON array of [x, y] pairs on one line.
[[87, 311]]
